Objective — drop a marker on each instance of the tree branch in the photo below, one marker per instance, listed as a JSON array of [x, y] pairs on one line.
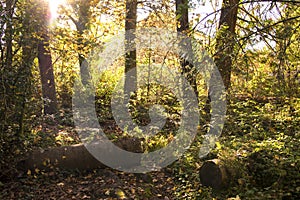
[[267, 27]]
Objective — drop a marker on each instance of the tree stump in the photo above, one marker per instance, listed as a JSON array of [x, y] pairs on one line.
[[214, 174]]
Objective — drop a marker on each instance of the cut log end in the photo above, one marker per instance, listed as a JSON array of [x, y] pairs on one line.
[[213, 174]]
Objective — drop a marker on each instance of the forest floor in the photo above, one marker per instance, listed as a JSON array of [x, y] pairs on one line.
[[96, 184], [261, 142], [84, 184]]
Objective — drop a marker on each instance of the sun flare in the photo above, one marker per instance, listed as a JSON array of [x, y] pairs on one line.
[[54, 4]]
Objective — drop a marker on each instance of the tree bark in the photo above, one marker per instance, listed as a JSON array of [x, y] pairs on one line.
[[9, 9], [187, 68], [225, 39], [81, 26], [45, 65], [66, 157], [47, 76], [75, 156], [6, 56], [130, 48], [28, 44]]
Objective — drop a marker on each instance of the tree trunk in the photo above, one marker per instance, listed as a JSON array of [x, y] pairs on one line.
[[6, 56], [9, 33], [47, 76], [130, 48], [46, 67], [28, 54], [66, 157], [81, 26], [75, 156], [225, 39], [187, 68], [182, 14]]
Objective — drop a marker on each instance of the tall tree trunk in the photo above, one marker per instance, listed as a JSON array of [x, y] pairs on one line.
[[9, 9], [45, 65], [130, 56], [225, 39], [81, 26], [6, 55], [182, 13], [28, 54], [47, 76]]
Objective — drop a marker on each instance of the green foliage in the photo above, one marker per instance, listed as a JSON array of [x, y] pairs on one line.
[[151, 95], [106, 84], [259, 148]]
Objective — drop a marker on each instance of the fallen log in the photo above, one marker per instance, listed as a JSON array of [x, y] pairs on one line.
[[65, 157], [75, 156], [214, 174]]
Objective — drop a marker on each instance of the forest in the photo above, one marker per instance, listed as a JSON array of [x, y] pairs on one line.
[[150, 99]]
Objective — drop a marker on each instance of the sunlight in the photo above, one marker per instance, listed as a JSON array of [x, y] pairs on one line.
[[54, 4]]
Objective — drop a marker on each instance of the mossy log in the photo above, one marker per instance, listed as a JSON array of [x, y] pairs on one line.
[[73, 156], [214, 174]]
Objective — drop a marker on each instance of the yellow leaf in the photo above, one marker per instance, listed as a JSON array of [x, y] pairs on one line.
[[218, 145], [29, 172], [120, 194]]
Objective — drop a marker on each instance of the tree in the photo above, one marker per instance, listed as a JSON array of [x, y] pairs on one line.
[[17, 54], [182, 16], [225, 39], [28, 45], [9, 9], [264, 34], [45, 63], [130, 49], [82, 10], [286, 62], [6, 45]]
